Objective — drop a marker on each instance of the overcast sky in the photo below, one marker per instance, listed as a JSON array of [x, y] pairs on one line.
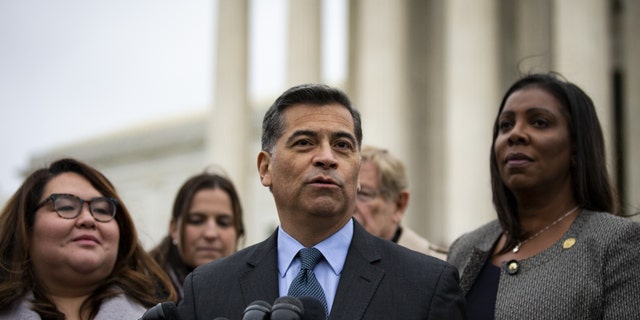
[[72, 70]]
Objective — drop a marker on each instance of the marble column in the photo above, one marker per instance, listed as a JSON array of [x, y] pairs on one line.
[[631, 47], [228, 135], [532, 37], [377, 71], [425, 119], [389, 81], [471, 77], [304, 64], [582, 55]]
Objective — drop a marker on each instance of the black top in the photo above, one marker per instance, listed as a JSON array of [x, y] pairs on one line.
[[481, 299]]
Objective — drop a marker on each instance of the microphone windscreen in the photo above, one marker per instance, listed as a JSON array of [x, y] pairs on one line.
[[257, 310], [170, 311], [162, 311], [153, 313], [313, 309], [287, 307]]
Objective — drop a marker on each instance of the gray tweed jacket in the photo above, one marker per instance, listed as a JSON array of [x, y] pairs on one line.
[[598, 277]]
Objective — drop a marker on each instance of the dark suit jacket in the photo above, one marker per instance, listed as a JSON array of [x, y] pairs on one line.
[[380, 280]]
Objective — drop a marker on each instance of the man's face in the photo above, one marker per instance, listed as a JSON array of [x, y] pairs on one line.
[[379, 215], [313, 169]]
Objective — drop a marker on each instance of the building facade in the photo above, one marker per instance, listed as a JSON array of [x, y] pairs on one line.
[[427, 76]]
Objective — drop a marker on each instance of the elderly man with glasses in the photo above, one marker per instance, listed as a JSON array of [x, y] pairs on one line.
[[383, 198]]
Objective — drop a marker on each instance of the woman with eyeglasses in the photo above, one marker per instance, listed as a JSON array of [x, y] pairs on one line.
[[206, 224], [69, 250]]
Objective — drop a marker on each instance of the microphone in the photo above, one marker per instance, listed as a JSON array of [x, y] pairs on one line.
[[257, 310], [162, 311], [287, 308], [313, 309]]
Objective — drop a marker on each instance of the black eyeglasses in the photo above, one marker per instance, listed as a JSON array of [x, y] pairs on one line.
[[68, 206]]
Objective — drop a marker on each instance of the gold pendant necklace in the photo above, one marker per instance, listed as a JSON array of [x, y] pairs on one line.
[[517, 247]]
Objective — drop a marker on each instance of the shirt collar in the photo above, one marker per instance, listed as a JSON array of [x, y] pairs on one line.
[[334, 249]]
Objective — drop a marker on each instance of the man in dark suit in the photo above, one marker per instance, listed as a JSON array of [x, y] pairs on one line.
[[310, 160]]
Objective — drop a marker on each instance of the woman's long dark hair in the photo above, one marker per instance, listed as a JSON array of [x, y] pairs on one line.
[[135, 273], [166, 253], [592, 187]]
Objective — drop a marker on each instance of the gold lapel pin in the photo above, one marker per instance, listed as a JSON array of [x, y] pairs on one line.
[[569, 243]]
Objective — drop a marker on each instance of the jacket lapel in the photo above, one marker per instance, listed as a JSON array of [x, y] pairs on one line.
[[472, 270], [360, 277], [260, 280], [480, 252]]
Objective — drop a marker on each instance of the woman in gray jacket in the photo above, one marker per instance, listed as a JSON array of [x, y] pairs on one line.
[[558, 250]]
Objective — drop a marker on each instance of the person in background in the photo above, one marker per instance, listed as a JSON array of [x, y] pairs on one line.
[[310, 160], [558, 250], [69, 250], [383, 199], [206, 224]]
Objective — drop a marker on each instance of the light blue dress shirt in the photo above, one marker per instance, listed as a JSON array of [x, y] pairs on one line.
[[327, 271]]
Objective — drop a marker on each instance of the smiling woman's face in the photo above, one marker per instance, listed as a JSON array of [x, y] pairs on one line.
[[78, 251]]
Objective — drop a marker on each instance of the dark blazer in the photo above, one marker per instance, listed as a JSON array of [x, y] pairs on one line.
[[380, 280]]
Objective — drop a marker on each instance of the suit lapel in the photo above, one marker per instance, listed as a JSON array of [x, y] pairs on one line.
[[481, 251], [260, 280], [360, 277], [472, 270]]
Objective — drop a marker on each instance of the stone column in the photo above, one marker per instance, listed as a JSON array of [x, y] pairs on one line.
[[581, 54], [305, 50], [425, 120], [378, 71], [394, 68], [631, 102], [228, 138], [532, 36], [471, 77]]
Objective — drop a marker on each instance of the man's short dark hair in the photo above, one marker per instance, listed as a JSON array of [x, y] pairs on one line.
[[313, 94]]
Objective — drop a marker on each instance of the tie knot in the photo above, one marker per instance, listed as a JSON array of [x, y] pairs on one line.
[[309, 257]]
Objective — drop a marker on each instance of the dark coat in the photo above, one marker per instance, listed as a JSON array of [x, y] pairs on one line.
[[380, 280]]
